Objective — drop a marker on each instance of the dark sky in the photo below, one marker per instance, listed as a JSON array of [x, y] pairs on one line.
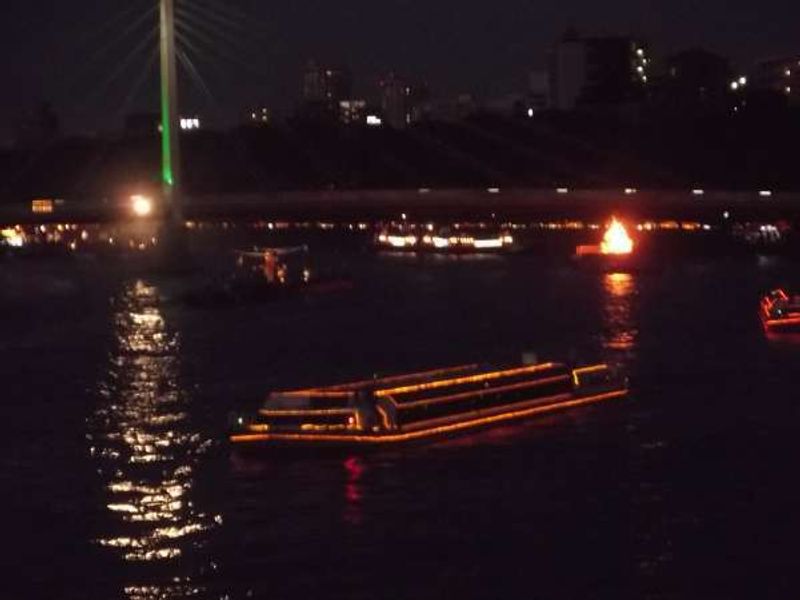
[[73, 52]]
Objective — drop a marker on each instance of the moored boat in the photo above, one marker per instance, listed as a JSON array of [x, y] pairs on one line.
[[422, 406]]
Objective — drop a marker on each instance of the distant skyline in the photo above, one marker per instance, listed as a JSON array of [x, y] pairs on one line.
[[65, 52]]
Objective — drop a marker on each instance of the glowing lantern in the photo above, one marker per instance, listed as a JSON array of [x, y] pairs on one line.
[[616, 239]]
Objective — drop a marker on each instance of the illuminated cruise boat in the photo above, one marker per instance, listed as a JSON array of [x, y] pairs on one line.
[[780, 312], [422, 406], [445, 239]]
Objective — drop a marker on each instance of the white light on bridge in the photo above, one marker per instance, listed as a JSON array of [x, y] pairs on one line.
[[698, 192], [765, 193], [190, 124], [142, 205]]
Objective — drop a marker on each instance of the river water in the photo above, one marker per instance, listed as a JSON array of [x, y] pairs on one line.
[[117, 482]]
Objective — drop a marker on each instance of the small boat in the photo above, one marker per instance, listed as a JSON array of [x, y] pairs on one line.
[[780, 312], [264, 274], [422, 406]]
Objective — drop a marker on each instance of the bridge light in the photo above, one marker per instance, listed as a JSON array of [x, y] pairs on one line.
[[142, 206]]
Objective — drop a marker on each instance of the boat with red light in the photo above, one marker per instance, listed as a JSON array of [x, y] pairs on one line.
[[780, 312], [423, 406]]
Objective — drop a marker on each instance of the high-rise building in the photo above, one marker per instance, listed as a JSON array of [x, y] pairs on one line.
[[538, 96], [326, 85], [258, 116], [597, 71], [396, 101], [781, 75], [353, 111], [693, 80]]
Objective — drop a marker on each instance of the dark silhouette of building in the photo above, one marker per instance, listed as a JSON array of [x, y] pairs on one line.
[[258, 116], [597, 71], [40, 127], [694, 80], [353, 111], [395, 101], [778, 75], [402, 102], [324, 87]]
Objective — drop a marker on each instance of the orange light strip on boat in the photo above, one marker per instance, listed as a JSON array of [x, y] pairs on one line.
[[384, 439], [343, 387], [319, 394], [486, 412], [592, 369], [308, 412], [384, 417], [576, 373], [469, 379], [462, 396], [787, 321]]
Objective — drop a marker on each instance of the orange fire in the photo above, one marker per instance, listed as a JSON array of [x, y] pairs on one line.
[[616, 239]]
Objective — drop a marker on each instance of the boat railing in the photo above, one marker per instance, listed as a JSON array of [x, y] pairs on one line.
[[597, 376]]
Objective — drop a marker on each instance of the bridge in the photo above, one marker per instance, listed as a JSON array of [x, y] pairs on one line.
[[514, 205]]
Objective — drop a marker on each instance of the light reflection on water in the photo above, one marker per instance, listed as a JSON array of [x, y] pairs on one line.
[[620, 330], [146, 451], [353, 490]]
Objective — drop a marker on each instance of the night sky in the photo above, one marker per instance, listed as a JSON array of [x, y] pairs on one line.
[[69, 52]]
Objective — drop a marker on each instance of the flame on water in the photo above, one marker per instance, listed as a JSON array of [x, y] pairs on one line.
[[616, 239]]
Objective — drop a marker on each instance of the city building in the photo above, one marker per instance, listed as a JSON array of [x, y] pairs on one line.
[[597, 71], [326, 85], [693, 80], [259, 116], [40, 126], [538, 96], [353, 111], [396, 101], [778, 75]]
